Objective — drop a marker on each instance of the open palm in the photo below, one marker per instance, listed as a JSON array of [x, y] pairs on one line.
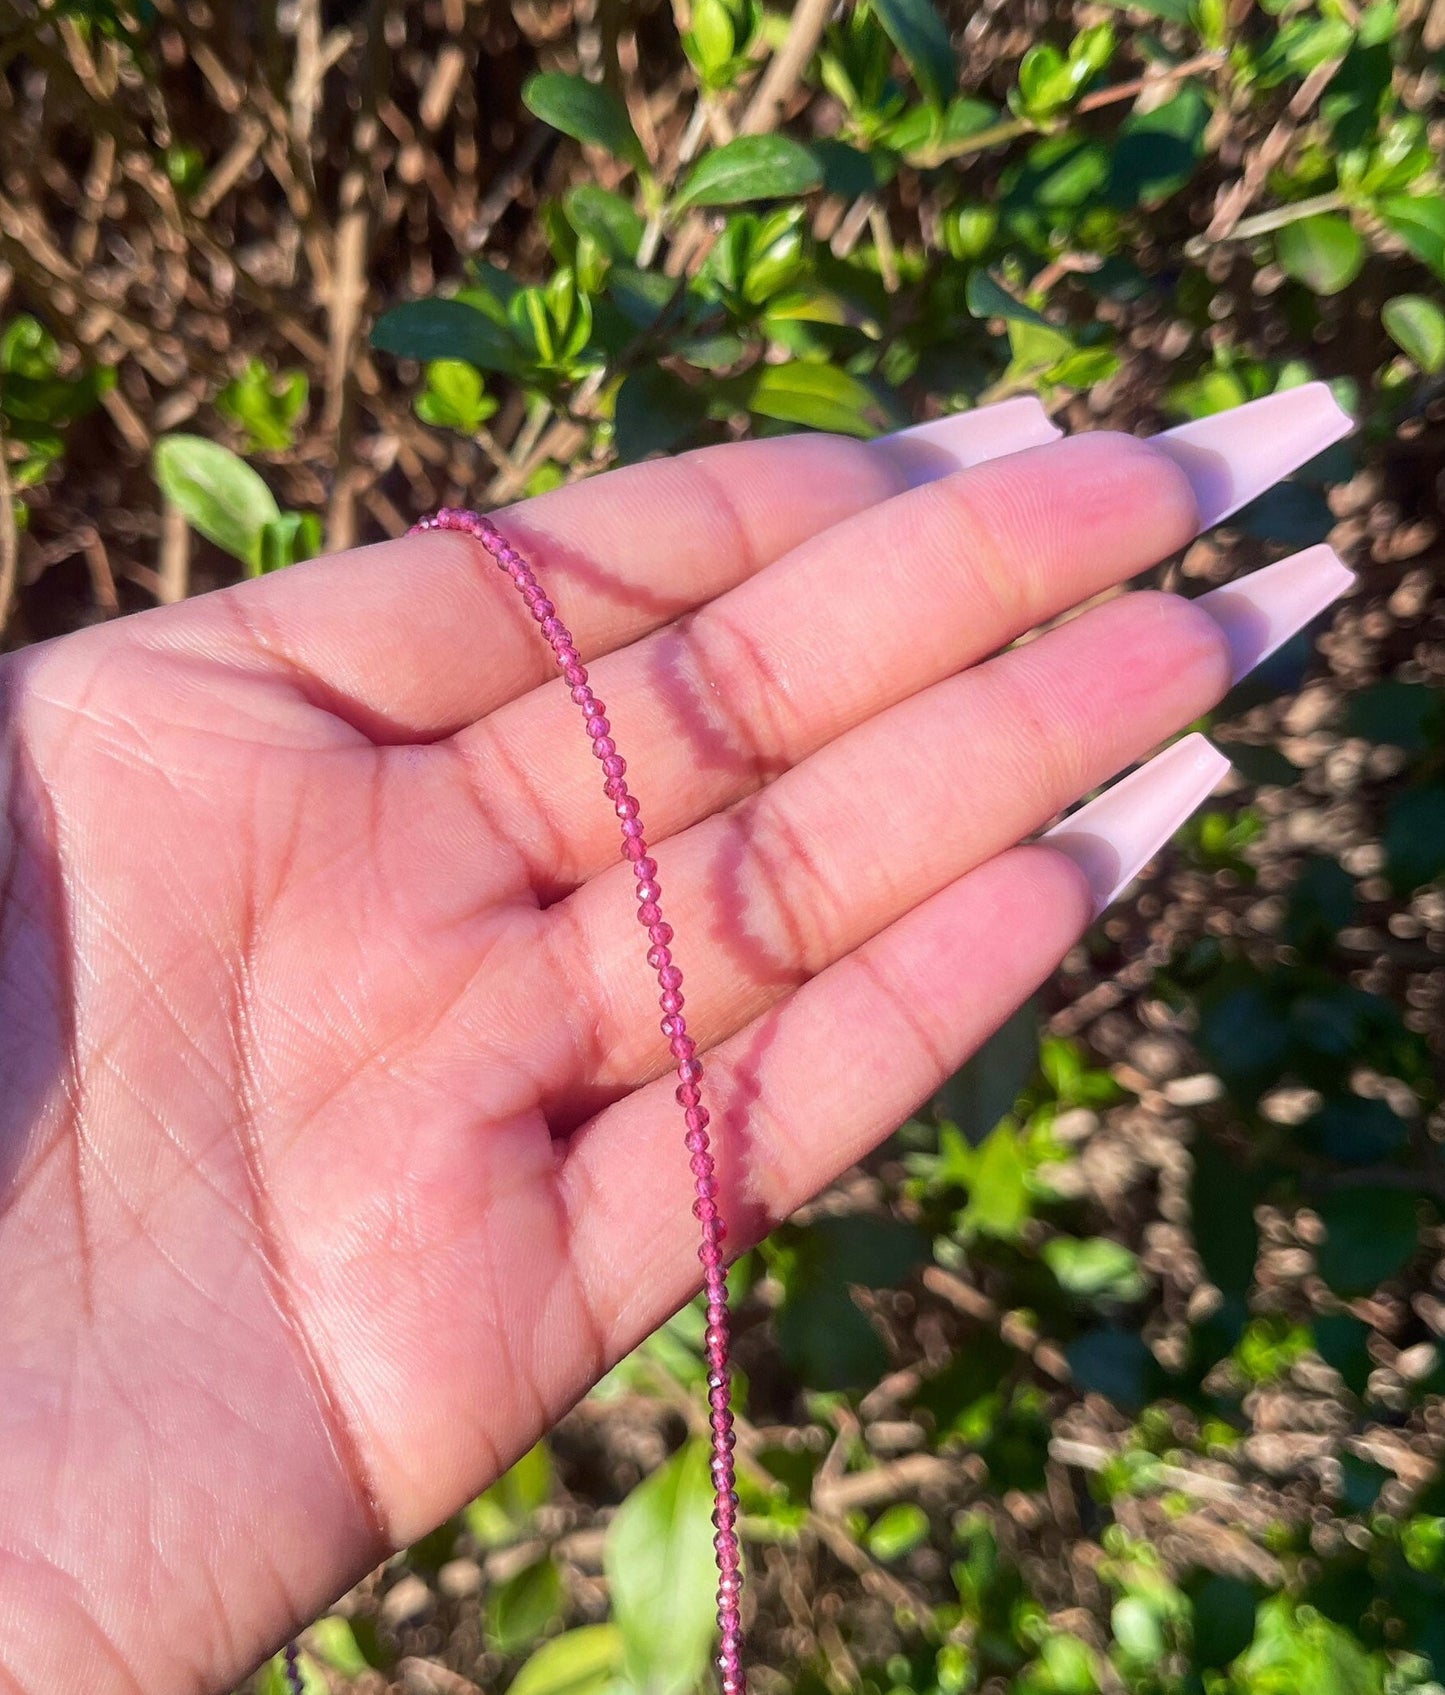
[[336, 1158]]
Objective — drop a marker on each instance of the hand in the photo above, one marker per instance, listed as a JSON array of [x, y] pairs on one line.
[[336, 1155]]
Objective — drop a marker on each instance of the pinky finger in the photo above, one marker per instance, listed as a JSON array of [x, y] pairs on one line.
[[818, 1081]]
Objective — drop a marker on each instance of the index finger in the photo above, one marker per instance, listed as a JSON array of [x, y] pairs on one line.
[[415, 638]]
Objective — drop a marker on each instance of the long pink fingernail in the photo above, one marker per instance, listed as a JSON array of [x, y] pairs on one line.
[[932, 450], [1232, 457], [1260, 612], [1116, 835]]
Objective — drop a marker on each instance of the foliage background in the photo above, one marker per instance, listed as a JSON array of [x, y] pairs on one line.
[[1119, 1369]]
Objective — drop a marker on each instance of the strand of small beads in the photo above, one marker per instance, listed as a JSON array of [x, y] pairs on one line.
[[689, 1081], [684, 1052]]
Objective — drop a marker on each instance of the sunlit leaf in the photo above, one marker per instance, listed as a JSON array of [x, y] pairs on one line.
[[754, 167], [587, 111], [659, 1561], [219, 494]]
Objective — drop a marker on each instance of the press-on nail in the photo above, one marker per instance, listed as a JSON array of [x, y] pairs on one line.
[[1260, 612], [1232, 457], [1116, 835], [929, 451]]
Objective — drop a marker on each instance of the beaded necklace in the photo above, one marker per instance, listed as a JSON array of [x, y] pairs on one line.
[[689, 1085]]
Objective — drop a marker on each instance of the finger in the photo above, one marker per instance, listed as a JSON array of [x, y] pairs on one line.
[[813, 1084], [766, 895], [859, 618], [848, 841], [413, 638], [849, 624]]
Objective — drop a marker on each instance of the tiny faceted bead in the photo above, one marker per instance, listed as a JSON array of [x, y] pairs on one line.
[[627, 809], [581, 692], [674, 1025], [614, 764], [697, 1119], [670, 977], [688, 1095], [649, 892], [603, 745], [661, 934], [695, 1141], [649, 913], [657, 957]]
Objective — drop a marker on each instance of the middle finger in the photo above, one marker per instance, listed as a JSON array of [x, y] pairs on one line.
[[850, 623]]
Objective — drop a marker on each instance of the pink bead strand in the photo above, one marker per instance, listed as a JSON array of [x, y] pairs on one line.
[[689, 1073]]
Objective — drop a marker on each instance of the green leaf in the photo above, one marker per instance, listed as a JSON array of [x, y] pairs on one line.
[[1045, 83], [1415, 837], [220, 495], [579, 1662], [334, 1641], [27, 349], [610, 220], [659, 1562], [986, 297], [1222, 1199], [754, 167], [520, 1610], [1417, 326], [821, 397], [1295, 1649], [1325, 253], [1419, 221], [1406, 715], [1065, 1666], [988, 1085], [266, 405], [1095, 1268], [999, 1202], [272, 1679], [966, 1398], [586, 111], [1139, 1631], [1223, 1619], [454, 397], [1357, 1131], [1116, 1363], [655, 412], [827, 1340], [1342, 1341], [445, 329], [505, 1511], [898, 1530], [287, 540], [921, 36], [1370, 1233], [1158, 152]]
